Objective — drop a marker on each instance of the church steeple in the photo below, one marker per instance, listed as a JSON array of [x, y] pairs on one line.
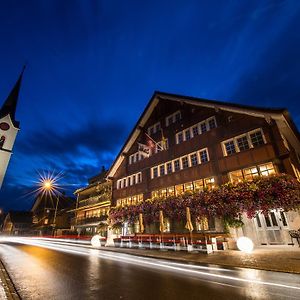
[[10, 105]]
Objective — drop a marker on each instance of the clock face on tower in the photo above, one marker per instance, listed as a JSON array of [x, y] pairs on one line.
[[4, 126]]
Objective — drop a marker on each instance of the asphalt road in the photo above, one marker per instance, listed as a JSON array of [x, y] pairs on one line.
[[54, 270]]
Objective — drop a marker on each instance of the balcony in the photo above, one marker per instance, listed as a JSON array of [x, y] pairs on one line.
[[88, 220], [93, 200]]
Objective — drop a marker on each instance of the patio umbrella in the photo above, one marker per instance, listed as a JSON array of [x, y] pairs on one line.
[[141, 223], [161, 221]]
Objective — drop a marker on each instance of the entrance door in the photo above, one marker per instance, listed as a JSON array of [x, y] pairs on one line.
[[270, 227]]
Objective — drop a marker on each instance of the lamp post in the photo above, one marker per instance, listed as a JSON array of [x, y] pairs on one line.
[[49, 187]]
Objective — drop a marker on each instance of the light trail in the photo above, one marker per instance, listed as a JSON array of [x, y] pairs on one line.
[[141, 261]]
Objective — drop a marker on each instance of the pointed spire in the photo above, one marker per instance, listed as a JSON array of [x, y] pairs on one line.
[[10, 104]]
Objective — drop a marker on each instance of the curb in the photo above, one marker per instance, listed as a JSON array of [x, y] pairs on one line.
[[8, 285], [185, 260]]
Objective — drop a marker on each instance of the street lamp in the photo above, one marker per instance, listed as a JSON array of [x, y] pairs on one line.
[[49, 187]]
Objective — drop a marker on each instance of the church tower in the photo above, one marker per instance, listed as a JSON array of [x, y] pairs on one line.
[[9, 127]]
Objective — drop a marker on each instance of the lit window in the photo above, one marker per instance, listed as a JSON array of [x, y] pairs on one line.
[[203, 127], [188, 187], [179, 189], [236, 176], [162, 170], [209, 183], [185, 162], [194, 159], [243, 143], [212, 123], [257, 138], [198, 185], [187, 135], [155, 172], [203, 156], [170, 191], [229, 147], [176, 165], [195, 130], [179, 137], [250, 173], [169, 167], [266, 169]]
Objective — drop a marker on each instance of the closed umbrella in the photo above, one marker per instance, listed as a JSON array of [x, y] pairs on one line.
[[141, 223], [161, 222], [189, 225]]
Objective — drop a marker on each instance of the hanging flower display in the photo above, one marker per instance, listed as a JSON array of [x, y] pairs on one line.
[[228, 201]]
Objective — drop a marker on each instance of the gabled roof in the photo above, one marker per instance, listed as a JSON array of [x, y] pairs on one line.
[[280, 115], [10, 105], [20, 216]]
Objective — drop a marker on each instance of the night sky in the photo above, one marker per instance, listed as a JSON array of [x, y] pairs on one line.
[[92, 66]]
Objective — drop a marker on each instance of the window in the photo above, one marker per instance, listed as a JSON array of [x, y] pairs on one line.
[[236, 176], [169, 168], [209, 183], [154, 172], [187, 135], [229, 147], [185, 162], [195, 130], [129, 181], [133, 179], [179, 137], [175, 117], [198, 185], [203, 156], [154, 128], [266, 169], [176, 165], [162, 170], [203, 127], [178, 189], [194, 159], [257, 138], [212, 123], [139, 179], [250, 173], [170, 191], [188, 187], [243, 143]]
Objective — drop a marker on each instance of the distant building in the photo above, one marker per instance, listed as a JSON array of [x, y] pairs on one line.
[[9, 127], [182, 144], [93, 203], [50, 214], [17, 223]]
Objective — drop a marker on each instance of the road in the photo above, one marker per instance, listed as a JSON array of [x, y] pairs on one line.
[[43, 269]]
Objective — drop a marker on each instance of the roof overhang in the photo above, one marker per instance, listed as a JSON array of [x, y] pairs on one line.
[[280, 115]]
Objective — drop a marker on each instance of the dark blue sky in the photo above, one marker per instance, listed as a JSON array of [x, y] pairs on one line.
[[93, 66]]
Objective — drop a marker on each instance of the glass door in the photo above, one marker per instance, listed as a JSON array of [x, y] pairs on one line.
[[270, 227]]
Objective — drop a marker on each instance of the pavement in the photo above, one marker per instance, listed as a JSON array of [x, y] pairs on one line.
[[270, 258]]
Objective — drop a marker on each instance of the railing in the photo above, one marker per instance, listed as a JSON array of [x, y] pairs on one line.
[[90, 220], [92, 200]]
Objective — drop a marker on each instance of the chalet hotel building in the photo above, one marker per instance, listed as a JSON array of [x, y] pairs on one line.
[[199, 143]]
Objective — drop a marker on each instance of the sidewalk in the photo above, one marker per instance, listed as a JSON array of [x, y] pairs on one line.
[[7, 289], [270, 258]]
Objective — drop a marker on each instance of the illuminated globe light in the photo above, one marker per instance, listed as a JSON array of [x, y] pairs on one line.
[[245, 244], [95, 241], [47, 184]]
